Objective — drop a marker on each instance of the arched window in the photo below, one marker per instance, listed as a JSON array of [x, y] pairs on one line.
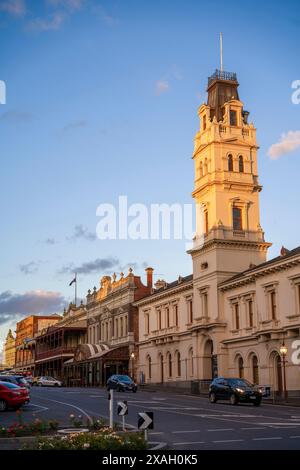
[[255, 370], [230, 162], [241, 164], [170, 364], [201, 169], [149, 367], [178, 360], [241, 367], [237, 218], [191, 362]]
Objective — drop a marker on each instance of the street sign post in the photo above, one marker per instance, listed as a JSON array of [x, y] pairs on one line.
[[111, 408], [145, 422], [122, 411]]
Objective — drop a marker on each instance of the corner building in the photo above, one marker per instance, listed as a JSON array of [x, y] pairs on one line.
[[237, 309]]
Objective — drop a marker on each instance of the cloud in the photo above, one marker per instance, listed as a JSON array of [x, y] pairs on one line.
[[288, 143], [50, 241], [29, 268], [16, 306], [72, 5], [16, 116], [50, 24], [13, 7], [98, 265], [74, 125], [82, 232], [161, 86]]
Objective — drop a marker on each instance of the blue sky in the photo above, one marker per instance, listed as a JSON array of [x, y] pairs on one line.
[[102, 101]]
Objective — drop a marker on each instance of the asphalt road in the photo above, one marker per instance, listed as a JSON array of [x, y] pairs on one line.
[[182, 422]]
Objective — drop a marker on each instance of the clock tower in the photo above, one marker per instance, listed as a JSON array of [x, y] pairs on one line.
[[229, 238]]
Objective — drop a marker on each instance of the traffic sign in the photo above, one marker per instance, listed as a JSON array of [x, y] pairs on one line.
[[145, 420], [122, 408]]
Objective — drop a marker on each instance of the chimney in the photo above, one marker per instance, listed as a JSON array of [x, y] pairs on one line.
[[149, 272]]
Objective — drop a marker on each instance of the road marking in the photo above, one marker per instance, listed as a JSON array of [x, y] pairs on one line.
[[187, 443], [245, 429], [266, 438], [181, 432], [228, 440], [293, 424], [44, 408], [72, 406], [294, 437], [216, 430], [155, 433]]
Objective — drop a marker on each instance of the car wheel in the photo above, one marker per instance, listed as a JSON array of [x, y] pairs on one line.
[[257, 403], [134, 390], [40, 385], [212, 397], [233, 399], [3, 405], [55, 385], [119, 389]]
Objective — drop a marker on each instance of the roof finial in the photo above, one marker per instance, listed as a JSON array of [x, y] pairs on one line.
[[221, 52]]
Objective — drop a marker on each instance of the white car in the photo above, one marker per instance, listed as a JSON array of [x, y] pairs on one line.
[[48, 382]]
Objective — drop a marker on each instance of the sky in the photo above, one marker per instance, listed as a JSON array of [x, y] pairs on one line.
[[101, 101]]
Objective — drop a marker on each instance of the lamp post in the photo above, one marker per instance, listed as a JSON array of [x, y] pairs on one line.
[[132, 356], [283, 352]]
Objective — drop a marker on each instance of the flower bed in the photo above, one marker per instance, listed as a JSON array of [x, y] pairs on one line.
[[104, 439], [35, 428]]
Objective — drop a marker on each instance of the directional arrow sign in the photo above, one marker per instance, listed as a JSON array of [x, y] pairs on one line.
[[145, 420], [122, 408]]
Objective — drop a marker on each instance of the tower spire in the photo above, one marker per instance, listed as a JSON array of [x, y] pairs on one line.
[[221, 52]]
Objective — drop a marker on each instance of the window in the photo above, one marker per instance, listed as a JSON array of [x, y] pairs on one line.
[[230, 163], [205, 305], [241, 368], [176, 315], [237, 316], [191, 362], [178, 360], [237, 218], [204, 122], [168, 317], [121, 326], [170, 365], [149, 367], [117, 328], [190, 311], [241, 164], [206, 222], [233, 119], [250, 313], [147, 326], [159, 319], [273, 304], [201, 169], [255, 371]]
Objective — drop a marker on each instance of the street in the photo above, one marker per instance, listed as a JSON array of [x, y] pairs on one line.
[[181, 422]]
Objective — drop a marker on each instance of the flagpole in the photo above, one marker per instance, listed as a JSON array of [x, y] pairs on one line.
[[75, 289]]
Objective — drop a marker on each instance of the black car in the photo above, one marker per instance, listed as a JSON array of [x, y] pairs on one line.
[[121, 383], [234, 390]]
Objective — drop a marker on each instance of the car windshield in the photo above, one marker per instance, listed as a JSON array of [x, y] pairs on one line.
[[9, 385], [123, 378], [21, 380], [240, 383]]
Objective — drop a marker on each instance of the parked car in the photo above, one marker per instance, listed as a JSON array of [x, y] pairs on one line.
[[121, 383], [15, 379], [46, 381], [34, 380], [12, 396], [234, 390]]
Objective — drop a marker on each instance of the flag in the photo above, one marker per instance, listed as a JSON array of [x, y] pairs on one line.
[[73, 280]]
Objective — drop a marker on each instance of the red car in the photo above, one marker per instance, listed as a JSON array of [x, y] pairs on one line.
[[12, 396]]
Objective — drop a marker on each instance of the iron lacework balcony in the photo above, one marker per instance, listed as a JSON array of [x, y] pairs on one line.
[[222, 75]]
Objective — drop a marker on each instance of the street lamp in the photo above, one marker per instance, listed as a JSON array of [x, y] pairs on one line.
[[132, 356], [283, 352]]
